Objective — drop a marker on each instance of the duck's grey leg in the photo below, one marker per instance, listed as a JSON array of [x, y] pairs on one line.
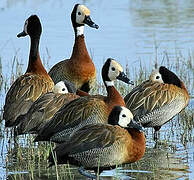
[[83, 172]]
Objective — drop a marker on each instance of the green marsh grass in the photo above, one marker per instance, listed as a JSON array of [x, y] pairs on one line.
[[29, 160]]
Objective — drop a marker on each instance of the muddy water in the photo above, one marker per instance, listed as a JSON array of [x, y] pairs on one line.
[[130, 31]]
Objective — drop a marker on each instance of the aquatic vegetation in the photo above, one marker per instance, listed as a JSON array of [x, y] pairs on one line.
[[25, 159]]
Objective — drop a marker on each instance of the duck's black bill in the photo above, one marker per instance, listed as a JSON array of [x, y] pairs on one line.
[[123, 77], [90, 23], [133, 124], [22, 34]]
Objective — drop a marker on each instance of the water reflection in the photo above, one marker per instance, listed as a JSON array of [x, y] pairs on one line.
[[162, 13], [167, 25], [156, 164], [160, 164]]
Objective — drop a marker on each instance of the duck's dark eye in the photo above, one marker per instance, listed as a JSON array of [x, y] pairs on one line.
[[113, 69], [63, 89], [123, 115], [157, 77], [79, 13]]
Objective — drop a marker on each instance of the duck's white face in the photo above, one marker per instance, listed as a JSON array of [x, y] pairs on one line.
[[81, 12], [26, 26], [114, 70], [125, 117], [156, 76], [60, 87]]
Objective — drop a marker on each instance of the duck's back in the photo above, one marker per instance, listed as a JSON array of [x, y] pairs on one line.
[[153, 103], [87, 110], [74, 115], [60, 71], [42, 110], [23, 92]]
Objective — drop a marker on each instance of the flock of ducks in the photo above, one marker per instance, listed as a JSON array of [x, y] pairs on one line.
[[94, 132]]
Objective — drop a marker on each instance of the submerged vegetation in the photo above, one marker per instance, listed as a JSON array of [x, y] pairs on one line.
[[169, 158]]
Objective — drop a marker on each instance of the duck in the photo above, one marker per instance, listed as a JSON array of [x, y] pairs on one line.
[[43, 109], [101, 147], [86, 109], [157, 100], [79, 68], [35, 82]]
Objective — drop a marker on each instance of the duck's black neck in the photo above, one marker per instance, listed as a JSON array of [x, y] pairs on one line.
[[35, 65], [34, 48]]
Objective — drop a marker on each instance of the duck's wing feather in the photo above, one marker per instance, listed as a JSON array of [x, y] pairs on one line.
[[89, 137], [75, 112], [24, 91], [152, 101], [42, 110]]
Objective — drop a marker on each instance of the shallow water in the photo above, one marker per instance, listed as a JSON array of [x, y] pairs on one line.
[[129, 31]]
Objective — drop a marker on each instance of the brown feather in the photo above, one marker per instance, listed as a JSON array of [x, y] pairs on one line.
[[79, 69], [151, 97], [24, 91], [102, 143]]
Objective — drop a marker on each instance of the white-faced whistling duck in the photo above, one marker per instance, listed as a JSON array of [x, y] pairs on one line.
[[35, 82], [157, 100], [79, 69], [103, 146]]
